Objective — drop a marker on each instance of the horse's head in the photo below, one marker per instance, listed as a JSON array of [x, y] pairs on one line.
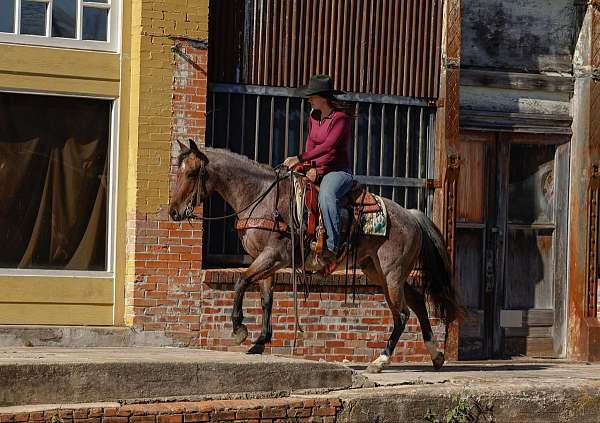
[[191, 183]]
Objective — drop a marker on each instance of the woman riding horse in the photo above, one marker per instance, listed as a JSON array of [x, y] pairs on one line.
[[327, 148]]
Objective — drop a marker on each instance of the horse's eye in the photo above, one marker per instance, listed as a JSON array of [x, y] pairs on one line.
[[193, 175]]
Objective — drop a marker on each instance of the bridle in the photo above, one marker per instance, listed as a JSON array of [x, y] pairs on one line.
[[201, 183]]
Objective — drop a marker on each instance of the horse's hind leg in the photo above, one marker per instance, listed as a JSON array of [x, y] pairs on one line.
[[416, 302], [266, 300], [394, 295]]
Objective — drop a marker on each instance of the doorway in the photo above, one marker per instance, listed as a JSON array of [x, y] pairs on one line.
[[511, 244]]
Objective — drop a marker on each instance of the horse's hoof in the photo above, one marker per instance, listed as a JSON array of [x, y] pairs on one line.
[[374, 368], [256, 349], [240, 334], [438, 361], [378, 364]]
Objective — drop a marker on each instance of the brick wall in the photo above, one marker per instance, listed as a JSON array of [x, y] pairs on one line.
[[163, 270], [335, 329], [283, 410]]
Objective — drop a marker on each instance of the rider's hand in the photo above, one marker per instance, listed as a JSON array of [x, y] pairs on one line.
[[292, 161]]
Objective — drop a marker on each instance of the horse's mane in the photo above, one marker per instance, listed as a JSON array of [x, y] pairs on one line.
[[246, 162]]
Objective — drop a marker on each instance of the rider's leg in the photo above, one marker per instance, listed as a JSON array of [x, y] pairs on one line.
[[333, 186]]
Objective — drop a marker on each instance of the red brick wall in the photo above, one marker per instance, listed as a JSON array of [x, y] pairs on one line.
[[165, 294], [334, 328], [292, 410]]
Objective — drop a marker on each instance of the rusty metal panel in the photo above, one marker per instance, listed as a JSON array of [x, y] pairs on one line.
[[379, 46]]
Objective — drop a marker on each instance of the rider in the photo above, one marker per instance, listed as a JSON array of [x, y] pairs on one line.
[[327, 149]]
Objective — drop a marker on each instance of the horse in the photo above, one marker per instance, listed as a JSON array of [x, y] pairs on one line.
[[412, 238]]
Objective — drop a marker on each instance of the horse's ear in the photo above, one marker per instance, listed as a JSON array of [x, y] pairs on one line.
[[182, 146], [197, 151]]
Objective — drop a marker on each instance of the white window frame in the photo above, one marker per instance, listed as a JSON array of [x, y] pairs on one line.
[[113, 28], [111, 192]]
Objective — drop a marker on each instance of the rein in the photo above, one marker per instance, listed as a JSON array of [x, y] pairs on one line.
[[202, 181]]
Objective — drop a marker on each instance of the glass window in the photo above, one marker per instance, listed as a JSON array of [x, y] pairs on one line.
[[53, 182], [33, 17], [87, 24], [64, 18], [95, 24], [7, 15]]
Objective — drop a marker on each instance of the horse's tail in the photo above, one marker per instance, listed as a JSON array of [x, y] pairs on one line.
[[435, 263]]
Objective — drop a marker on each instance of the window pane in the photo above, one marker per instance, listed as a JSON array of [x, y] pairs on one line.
[[64, 16], [53, 182], [94, 24], [33, 18], [7, 15]]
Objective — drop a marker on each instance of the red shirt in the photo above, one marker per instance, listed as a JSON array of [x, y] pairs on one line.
[[328, 143]]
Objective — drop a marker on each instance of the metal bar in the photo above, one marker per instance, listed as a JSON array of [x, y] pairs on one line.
[[420, 161], [431, 52], [320, 33], [256, 44], [369, 139], [228, 120], [265, 60], [392, 181], [407, 152], [390, 47], [369, 49], [305, 24], [257, 128], [313, 39], [356, 51], [412, 49], [382, 144], [345, 59], [302, 136], [275, 51], [291, 92], [243, 123], [406, 61], [287, 128], [375, 76], [401, 49], [271, 125], [438, 53], [425, 51], [419, 52], [330, 20], [339, 48], [355, 155], [395, 151], [393, 69], [294, 27], [283, 48], [363, 48]]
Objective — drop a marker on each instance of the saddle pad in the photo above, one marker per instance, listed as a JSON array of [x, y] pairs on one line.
[[375, 223]]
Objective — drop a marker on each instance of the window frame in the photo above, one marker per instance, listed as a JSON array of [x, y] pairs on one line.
[[111, 203], [113, 28]]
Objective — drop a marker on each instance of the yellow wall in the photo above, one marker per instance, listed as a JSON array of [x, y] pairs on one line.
[[140, 77]]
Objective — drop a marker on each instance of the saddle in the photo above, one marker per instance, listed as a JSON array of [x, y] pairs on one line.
[[357, 203]]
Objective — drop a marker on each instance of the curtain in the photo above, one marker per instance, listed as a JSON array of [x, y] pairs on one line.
[[53, 182]]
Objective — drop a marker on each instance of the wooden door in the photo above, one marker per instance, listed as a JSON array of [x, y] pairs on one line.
[[511, 244]]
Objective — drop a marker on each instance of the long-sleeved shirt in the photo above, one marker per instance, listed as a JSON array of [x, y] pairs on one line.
[[328, 142]]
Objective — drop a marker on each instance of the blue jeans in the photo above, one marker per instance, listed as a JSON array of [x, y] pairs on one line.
[[334, 185]]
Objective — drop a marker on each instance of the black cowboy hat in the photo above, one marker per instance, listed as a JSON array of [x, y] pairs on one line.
[[318, 85]]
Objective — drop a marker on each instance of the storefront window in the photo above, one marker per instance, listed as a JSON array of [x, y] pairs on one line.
[[54, 165]]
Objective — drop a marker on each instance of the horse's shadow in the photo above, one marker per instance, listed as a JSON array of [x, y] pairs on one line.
[[426, 368]]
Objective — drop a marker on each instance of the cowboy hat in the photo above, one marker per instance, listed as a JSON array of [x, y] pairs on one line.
[[318, 85]]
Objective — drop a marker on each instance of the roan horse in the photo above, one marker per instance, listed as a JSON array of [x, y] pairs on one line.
[[412, 238]]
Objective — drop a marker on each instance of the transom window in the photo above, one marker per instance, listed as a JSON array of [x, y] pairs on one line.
[[86, 24]]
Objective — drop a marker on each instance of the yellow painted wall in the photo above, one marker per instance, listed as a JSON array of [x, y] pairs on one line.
[[141, 78]]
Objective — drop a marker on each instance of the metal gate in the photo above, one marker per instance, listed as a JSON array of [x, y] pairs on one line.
[[390, 147]]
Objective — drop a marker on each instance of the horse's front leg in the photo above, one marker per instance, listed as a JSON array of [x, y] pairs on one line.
[[263, 267], [266, 300]]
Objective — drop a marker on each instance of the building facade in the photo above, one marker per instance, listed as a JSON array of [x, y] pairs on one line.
[[472, 111]]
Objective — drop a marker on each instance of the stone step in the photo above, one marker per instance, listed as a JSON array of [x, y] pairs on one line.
[[49, 376]]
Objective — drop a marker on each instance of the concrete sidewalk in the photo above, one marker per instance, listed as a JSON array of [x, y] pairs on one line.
[[232, 384]]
